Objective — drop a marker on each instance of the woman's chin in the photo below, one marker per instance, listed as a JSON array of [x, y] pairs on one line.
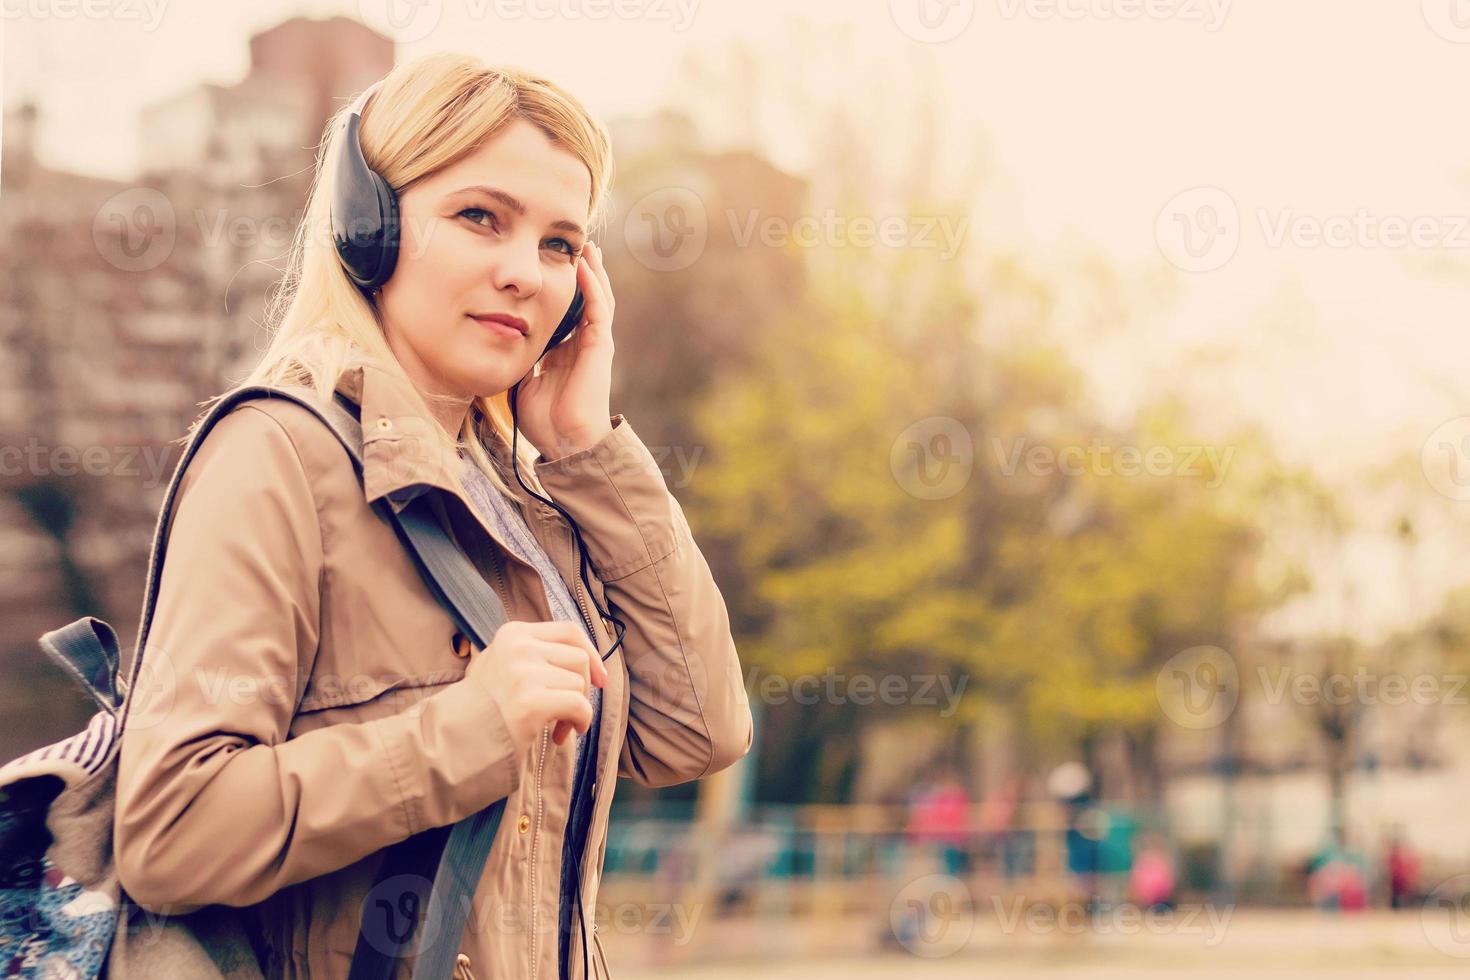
[[490, 381]]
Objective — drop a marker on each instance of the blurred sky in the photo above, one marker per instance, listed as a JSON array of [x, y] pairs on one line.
[[1091, 124]]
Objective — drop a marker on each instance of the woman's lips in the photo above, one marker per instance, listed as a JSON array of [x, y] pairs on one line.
[[498, 325]]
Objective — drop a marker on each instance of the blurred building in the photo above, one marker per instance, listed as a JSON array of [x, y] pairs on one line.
[[125, 304], [243, 133]]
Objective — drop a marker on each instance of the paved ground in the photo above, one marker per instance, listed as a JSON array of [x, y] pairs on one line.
[[1271, 944]]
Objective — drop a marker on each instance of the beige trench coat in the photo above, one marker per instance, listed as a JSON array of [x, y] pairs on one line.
[[301, 705]]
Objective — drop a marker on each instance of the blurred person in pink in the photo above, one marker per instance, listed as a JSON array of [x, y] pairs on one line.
[[939, 820], [1151, 879]]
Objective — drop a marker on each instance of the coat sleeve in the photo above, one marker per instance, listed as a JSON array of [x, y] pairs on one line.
[[215, 803], [688, 714]]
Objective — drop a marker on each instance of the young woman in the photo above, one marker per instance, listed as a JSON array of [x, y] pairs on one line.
[[306, 702]]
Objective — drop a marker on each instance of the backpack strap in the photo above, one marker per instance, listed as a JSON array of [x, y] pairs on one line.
[[87, 649], [306, 398], [452, 861]]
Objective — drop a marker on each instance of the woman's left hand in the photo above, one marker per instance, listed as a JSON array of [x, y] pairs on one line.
[[567, 406]]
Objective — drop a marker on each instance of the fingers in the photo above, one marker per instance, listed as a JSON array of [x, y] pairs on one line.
[[599, 669], [572, 711], [596, 288], [575, 662], [555, 677], [541, 674], [557, 631], [584, 659], [594, 253], [572, 637]]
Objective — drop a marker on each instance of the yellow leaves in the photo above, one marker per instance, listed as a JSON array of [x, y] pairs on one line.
[[1065, 597]]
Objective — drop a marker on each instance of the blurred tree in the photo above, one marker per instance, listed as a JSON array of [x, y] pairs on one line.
[[1049, 591]]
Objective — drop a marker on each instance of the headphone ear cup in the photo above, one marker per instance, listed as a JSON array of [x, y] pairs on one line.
[[364, 215], [568, 322], [388, 246]]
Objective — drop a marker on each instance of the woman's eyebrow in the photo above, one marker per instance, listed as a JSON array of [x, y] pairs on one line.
[[514, 203]]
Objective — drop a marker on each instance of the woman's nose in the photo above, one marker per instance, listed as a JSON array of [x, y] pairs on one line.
[[517, 269]]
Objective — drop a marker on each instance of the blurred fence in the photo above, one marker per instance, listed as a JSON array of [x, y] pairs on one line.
[[840, 859], [821, 859]]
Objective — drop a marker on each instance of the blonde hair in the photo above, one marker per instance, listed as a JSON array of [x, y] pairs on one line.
[[426, 115]]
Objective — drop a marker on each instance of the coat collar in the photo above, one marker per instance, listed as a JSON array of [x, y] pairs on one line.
[[400, 453], [401, 448]]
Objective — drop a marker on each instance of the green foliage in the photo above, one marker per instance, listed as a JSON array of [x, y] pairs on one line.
[[1056, 595]]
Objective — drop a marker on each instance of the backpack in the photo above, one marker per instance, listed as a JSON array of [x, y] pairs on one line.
[[63, 913]]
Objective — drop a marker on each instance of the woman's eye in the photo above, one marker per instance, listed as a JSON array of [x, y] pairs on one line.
[[475, 211], [570, 251]]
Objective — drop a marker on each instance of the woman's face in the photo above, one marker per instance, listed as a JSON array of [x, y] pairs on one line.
[[496, 232]]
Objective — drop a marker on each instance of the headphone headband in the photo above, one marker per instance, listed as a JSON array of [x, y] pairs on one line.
[[361, 101]]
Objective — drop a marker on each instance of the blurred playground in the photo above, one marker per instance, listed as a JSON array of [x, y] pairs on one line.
[[1066, 889]]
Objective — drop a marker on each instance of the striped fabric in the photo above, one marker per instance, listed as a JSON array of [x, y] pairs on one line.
[[87, 750]]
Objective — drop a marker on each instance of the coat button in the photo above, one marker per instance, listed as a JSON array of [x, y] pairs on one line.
[[460, 644], [524, 824], [385, 423], [462, 968]]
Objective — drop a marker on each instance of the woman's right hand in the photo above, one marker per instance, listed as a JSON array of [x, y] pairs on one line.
[[538, 674]]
